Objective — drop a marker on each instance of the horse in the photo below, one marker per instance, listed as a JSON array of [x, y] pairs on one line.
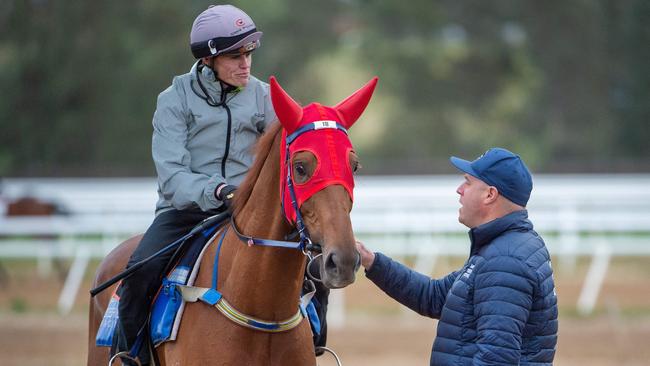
[[30, 206], [301, 179], [27, 206]]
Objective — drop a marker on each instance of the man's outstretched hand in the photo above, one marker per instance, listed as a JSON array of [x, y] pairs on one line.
[[367, 257]]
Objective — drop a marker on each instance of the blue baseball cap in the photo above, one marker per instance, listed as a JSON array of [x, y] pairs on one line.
[[502, 169]]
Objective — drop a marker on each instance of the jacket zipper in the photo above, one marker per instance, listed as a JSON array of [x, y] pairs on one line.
[[225, 155]]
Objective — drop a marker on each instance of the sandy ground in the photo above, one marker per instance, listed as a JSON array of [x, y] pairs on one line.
[[37, 340], [376, 331]]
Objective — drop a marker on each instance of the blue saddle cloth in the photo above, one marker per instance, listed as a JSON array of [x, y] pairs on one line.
[[168, 303]]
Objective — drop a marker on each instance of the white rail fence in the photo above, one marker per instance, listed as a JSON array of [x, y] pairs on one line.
[[596, 216]]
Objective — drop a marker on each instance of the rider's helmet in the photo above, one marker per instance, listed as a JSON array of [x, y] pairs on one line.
[[223, 29]]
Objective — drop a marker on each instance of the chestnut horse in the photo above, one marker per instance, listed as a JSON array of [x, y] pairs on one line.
[[264, 281]]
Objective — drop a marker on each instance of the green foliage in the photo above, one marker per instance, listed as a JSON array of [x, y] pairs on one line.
[[19, 305], [563, 83]]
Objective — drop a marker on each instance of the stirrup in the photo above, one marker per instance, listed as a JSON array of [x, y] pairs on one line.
[[328, 350], [126, 355]]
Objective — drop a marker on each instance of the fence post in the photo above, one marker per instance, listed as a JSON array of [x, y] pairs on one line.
[[569, 236], [73, 281], [594, 279], [44, 261]]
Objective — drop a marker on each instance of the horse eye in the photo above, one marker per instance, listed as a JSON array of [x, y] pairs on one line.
[[300, 169], [356, 166]]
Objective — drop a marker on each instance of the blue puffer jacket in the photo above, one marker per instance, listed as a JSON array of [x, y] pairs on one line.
[[499, 309]]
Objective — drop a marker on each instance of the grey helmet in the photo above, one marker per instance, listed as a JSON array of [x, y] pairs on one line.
[[223, 29]]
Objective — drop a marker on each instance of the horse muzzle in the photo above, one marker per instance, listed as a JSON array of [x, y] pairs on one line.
[[338, 268]]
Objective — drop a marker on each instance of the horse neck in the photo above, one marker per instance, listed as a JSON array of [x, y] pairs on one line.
[[268, 278]]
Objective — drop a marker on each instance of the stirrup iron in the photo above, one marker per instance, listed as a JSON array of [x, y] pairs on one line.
[[330, 351], [126, 355]]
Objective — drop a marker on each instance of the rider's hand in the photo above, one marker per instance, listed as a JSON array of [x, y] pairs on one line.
[[225, 193], [367, 257]]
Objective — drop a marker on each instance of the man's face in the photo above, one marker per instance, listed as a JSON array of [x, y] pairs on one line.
[[234, 69], [473, 193]]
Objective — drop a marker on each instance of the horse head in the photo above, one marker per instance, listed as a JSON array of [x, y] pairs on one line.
[[317, 167]]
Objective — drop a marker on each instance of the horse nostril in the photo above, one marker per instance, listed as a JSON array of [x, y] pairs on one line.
[[330, 263]]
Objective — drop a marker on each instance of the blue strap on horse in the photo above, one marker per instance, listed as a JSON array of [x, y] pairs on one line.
[[213, 297], [137, 345], [167, 305]]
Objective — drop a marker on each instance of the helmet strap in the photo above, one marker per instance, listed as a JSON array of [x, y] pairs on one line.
[[210, 65]]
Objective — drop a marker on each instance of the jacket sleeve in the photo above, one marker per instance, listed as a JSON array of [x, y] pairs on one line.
[[503, 296], [177, 182], [418, 292]]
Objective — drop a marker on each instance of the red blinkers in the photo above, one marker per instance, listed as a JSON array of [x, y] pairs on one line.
[[320, 130]]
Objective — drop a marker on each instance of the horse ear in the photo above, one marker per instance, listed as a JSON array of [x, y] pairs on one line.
[[352, 107], [288, 111]]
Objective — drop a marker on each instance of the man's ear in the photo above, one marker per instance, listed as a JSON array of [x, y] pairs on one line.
[[491, 195]]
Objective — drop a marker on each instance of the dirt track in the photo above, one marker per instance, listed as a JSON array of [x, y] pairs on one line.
[[377, 332], [55, 341]]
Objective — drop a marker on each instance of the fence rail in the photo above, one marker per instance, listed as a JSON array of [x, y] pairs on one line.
[[598, 216]]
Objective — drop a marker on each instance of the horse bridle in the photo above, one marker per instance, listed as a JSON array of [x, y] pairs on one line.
[[304, 243]]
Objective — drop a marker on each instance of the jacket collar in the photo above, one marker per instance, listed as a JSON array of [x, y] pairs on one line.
[[484, 234], [207, 78]]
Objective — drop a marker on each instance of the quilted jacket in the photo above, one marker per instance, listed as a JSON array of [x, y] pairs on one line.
[[500, 308]]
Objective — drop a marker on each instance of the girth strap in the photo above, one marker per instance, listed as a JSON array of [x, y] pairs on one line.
[[214, 298]]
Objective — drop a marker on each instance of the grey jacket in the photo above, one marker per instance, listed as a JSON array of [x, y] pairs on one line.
[[191, 140]]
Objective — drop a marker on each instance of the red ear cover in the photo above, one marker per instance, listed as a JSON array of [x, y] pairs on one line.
[[289, 112], [351, 107]]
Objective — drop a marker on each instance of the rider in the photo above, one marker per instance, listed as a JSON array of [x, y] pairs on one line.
[[203, 129]]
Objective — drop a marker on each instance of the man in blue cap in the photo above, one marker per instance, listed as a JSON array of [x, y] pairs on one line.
[[500, 308]]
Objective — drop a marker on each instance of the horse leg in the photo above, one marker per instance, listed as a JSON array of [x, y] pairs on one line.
[[298, 347]]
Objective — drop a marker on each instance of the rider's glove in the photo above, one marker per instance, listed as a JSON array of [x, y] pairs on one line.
[[225, 192]]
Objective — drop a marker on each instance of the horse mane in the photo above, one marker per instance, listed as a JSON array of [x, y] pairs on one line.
[[262, 150]]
